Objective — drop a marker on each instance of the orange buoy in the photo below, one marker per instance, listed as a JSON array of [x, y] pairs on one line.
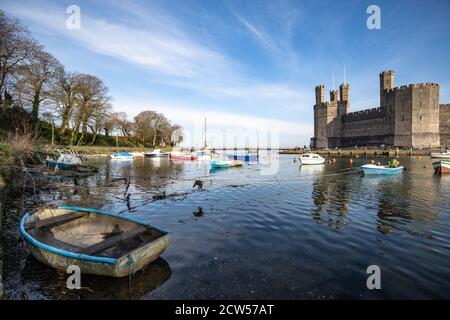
[[398, 163], [350, 161]]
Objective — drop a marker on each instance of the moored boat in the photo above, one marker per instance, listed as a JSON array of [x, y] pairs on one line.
[[311, 158], [182, 156], [243, 157], [155, 153], [122, 156], [98, 242], [64, 161], [441, 167], [441, 155], [376, 169], [226, 163]]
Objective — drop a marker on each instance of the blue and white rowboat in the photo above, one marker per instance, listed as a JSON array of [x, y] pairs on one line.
[[374, 169], [122, 156], [98, 242], [226, 163]]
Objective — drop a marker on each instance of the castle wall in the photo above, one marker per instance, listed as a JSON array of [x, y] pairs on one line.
[[401, 114], [366, 127], [444, 125], [425, 115]]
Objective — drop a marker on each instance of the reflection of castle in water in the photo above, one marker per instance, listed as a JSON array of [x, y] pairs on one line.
[[331, 198], [396, 199]]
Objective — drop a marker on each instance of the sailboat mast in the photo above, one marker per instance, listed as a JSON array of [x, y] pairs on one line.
[[205, 132]]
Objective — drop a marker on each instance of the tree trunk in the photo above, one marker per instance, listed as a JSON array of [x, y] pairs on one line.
[[35, 107], [65, 120]]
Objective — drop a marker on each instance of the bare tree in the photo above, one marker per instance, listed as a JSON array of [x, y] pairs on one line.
[[155, 126], [91, 93], [35, 79], [63, 97], [16, 46], [120, 122]]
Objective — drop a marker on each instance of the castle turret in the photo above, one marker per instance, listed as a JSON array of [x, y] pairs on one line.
[[334, 96], [320, 94], [344, 99], [386, 82], [344, 92]]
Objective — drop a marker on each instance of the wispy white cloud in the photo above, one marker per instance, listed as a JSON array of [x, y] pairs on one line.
[[157, 42]]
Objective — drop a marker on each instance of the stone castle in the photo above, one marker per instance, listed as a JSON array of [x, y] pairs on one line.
[[408, 116]]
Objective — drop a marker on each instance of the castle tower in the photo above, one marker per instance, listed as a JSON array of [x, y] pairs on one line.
[[344, 92], [334, 96], [344, 102], [386, 82], [320, 94]]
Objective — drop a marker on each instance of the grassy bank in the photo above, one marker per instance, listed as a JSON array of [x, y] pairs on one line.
[[5, 173]]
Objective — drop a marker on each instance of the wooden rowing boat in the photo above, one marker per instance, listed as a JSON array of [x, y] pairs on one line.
[[98, 242]]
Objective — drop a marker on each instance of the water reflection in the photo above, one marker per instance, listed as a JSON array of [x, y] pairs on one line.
[[331, 195], [300, 225], [46, 282]]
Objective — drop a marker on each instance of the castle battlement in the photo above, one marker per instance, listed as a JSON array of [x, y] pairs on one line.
[[414, 85], [366, 114]]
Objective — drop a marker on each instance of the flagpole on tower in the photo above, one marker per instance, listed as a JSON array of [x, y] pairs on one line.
[[344, 74]]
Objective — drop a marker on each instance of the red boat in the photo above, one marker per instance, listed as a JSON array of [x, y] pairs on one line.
[[183, 157]]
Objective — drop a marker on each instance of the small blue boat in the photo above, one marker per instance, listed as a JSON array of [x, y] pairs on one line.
[[64, 161], [122, 155], [61, 165], [225, 164], [243, 157], [374, 169]]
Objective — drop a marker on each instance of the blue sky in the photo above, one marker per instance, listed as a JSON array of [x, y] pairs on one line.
[[249, 67]]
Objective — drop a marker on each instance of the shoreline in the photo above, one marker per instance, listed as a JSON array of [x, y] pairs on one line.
[[362, 152]]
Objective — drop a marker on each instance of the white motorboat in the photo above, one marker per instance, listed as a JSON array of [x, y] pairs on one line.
[[155, 153], [311, 158], [441, 155]]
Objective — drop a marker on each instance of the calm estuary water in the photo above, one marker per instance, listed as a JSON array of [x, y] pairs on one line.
[[302, 233]]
